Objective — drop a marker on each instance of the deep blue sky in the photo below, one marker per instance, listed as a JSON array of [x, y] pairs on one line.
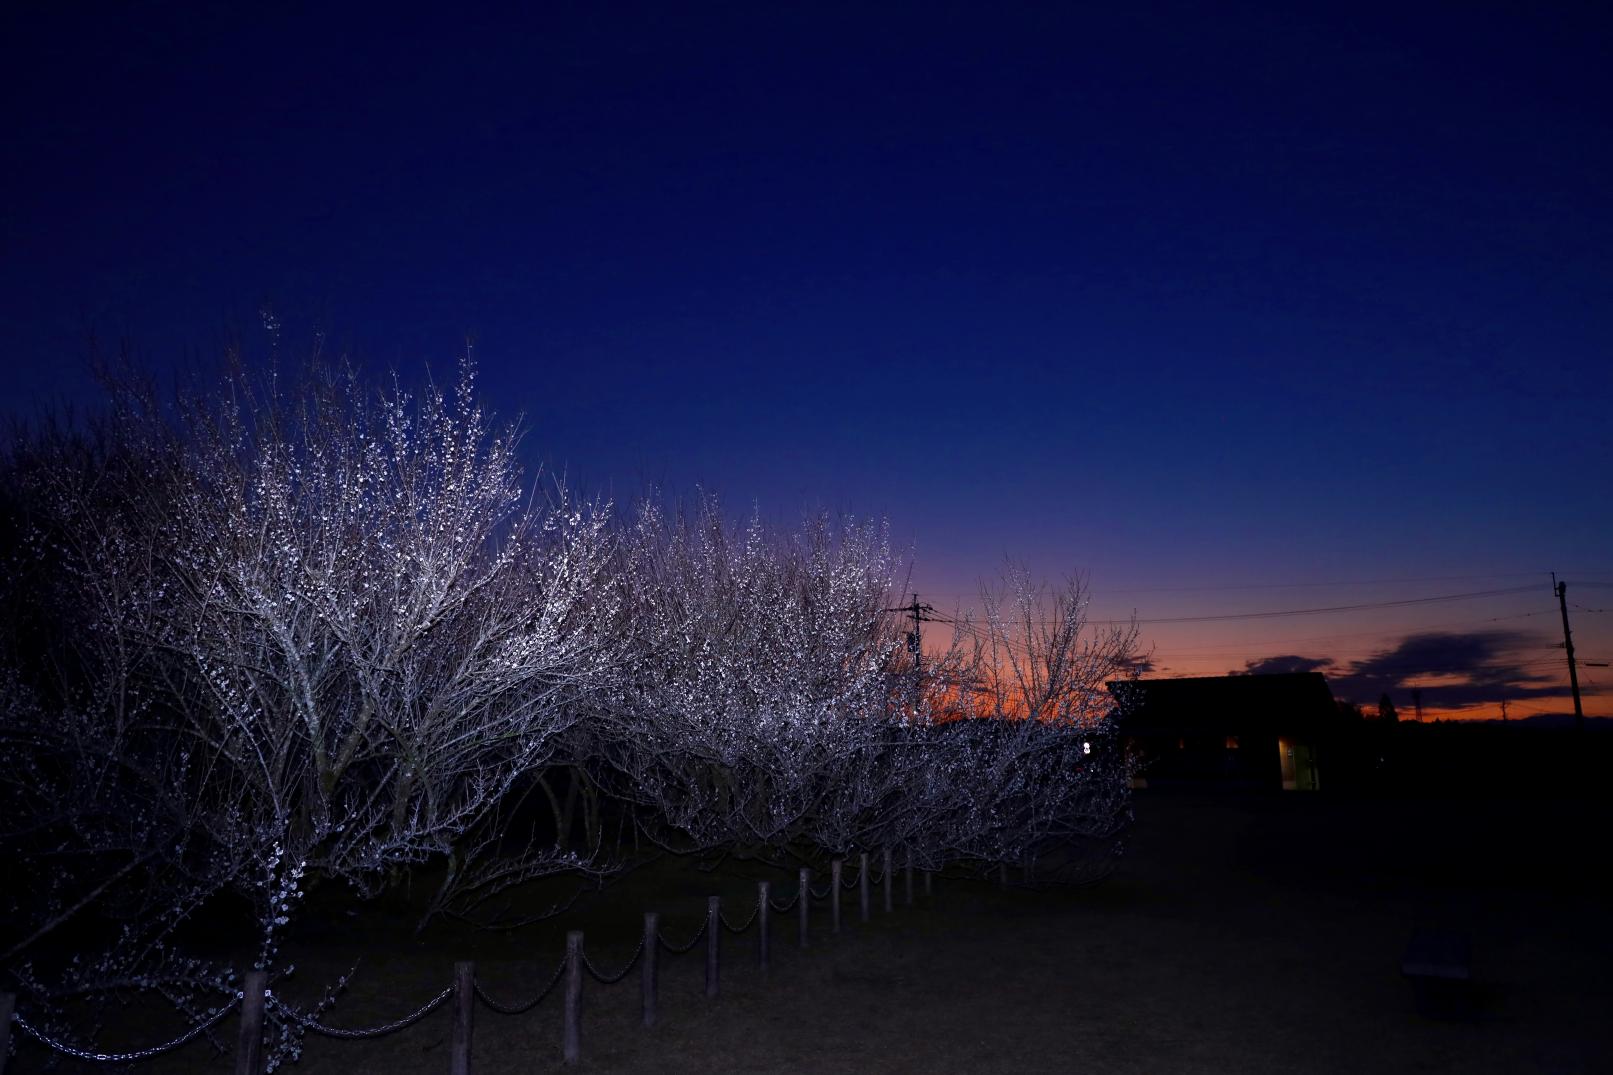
[[1188, 295]]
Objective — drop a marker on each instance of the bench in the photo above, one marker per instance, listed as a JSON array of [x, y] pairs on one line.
[[1439, 965]]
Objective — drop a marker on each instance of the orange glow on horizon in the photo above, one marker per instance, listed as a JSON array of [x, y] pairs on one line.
[[1217, 649]]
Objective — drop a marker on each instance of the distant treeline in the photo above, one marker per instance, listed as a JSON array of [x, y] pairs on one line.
[[1540, 756]]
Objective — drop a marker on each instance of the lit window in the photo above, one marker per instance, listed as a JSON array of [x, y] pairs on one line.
[[1232, 742]]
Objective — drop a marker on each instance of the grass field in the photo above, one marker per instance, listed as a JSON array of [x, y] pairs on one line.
[[1242, 934]]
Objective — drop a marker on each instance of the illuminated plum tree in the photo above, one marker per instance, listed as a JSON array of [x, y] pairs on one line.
[[1016, 756], [269, 637], [760, 673], [331, 625]]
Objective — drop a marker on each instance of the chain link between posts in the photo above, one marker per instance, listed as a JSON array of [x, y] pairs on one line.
[[124, 1058], [612, 979], [308, 1022], [521, 1009], [731, 928], [678, 950]]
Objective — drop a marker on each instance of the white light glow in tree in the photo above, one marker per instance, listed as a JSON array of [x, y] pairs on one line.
[[760, 672], [336, 619]]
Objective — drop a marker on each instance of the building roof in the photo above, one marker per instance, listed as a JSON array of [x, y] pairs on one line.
[[1232, 704]]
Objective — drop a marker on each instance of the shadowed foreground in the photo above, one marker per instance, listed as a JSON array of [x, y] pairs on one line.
[[1242, 934]]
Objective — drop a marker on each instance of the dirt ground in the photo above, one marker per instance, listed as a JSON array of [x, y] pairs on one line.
[[1243, 934]]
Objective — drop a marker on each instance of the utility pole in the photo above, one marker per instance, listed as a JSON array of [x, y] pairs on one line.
[[1417, 702], [1568, 647], [915, 642]]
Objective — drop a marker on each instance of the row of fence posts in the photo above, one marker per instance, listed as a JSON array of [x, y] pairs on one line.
[[249, 1052]]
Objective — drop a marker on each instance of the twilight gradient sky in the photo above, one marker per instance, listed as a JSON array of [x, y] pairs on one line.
[[1234, 308]]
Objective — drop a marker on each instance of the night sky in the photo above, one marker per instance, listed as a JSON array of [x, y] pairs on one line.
[[1231, 308]]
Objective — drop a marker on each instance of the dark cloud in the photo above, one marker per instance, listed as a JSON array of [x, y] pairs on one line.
[[1289, 662], [1483, 666], [1139, 664], [1443, 653]]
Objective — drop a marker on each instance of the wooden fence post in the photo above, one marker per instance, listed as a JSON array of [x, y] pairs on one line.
[[464, 1010], [650, 977], [804, 898], [889, 881], [929, 882], [1002, 875], [571, 1040], [8, 1004], [862, 887], [764, 893], [835, 869], [713, 940], [907, 875], [248, 1041]]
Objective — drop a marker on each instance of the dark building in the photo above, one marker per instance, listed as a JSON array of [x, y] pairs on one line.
[[1256, 731]]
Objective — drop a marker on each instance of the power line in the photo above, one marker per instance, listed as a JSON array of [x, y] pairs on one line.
[[1275, 613], [1396, 669], [1317, 585], [1265, 646], [1311, 584], [1245, 647], [1311, 611], [1239, 649], [1382, 632], [1375, 667], [979, 634]]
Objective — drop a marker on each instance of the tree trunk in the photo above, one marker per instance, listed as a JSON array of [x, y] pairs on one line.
[[440, 900], [554, 808], [563, 838]]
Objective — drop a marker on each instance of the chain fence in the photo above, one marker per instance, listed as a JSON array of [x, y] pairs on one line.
[[77, 1053], [611, 979], [308, 1021], [523, 1008], [731, 928], [679, 949]]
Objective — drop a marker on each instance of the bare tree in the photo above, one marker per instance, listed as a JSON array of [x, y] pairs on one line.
[[1019, 757], [95, 796], [272, 636], [372, 624], [760, 672], [772, 704], [341, 622]]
